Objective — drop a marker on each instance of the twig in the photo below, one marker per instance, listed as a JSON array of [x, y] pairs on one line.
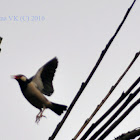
[[111, 90], [106, 97], [88, 79], [113, 87], [120, 99], [84, 84], [129, 135], [130, 98], [0, 42], [109, 130]]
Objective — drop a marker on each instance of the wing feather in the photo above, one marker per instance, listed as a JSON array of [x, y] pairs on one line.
[[44, 77]]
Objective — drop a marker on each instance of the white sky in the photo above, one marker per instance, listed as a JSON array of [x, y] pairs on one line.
[[76, 31]]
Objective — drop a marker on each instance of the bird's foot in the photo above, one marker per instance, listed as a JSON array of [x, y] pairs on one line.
[[38, 117]]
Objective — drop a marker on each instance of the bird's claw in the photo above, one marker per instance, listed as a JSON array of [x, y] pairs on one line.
[[38, 117]]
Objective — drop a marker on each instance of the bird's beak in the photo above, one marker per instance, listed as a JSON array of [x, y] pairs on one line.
[[14, 77]]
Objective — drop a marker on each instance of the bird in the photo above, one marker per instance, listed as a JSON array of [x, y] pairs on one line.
[[35, 88]]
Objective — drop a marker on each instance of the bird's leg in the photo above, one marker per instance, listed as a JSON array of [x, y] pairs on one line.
[[42, 112], [39, 115]]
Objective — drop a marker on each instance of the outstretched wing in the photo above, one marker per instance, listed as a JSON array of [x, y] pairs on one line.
[[44, 77]]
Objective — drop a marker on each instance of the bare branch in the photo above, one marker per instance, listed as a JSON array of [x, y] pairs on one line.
[[84, 84], [120, 99], [129, 135], [103, 101], [130, 98], [109, 130], [0, 42]]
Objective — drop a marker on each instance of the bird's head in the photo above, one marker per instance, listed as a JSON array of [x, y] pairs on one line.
[[20, 78]]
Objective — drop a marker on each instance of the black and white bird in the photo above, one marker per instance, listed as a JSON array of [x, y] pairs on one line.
[[34, 88]]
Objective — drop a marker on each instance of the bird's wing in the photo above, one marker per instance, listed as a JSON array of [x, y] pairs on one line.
[[44, 77]]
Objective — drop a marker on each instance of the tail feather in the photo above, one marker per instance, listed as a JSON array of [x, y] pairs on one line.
[[57, 108]]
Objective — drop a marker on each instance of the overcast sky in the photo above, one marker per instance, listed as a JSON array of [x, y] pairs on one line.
[[75, 31]]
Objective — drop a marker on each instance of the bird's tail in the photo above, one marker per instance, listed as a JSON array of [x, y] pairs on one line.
[[57, 108]]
